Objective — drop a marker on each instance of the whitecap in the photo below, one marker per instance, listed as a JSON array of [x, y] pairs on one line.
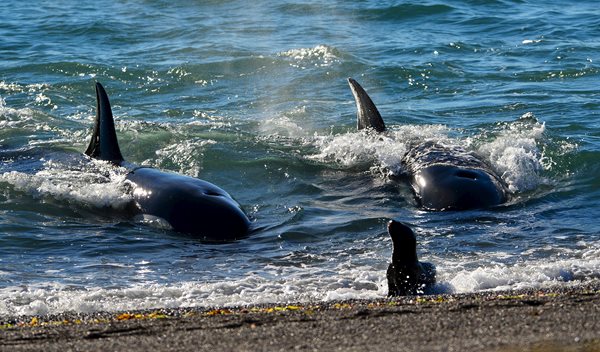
[[101, 185], [320, 55], [515, 154]]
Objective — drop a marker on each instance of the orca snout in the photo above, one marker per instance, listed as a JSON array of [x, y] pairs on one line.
[[450, 187]]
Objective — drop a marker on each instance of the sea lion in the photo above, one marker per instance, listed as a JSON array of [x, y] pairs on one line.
[[406, 275]]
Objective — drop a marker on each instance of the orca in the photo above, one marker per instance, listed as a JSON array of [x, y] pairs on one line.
[[406, 275], [182, 203], [442, 177]]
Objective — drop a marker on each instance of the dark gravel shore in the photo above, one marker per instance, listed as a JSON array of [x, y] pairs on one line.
[[562, 319]]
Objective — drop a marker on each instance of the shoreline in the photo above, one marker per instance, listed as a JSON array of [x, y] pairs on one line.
[[554, 319]]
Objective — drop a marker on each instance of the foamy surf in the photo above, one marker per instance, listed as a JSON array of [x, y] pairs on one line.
[[514, 152], [261, 83], [87, 183], [294, 286], [526, 275]]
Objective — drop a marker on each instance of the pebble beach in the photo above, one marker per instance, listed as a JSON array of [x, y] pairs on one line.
[[558, 319]]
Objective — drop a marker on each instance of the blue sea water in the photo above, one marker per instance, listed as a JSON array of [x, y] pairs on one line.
[[252, 96]]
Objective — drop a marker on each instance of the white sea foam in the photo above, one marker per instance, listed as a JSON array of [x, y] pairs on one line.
[[383, 151], [101, 185], [10, 117], [355, 149], [306, 285], [537, 274], [320, 55], [514, 153], [252, 289], [530, 41], [19, 88]]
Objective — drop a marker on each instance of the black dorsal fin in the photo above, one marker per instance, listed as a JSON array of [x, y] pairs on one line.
[[104, 144], [367, 114]]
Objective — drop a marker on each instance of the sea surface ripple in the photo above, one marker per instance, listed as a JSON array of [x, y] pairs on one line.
[[252, 96]]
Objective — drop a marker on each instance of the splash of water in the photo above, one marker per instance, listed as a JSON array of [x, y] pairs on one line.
[[514, 153], [94, 184], [320, 56]]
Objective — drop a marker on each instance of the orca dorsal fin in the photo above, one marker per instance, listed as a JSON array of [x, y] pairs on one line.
[[104, 144], [367, 114]]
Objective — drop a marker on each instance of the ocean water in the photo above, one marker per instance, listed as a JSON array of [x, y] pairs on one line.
[[252, 96]]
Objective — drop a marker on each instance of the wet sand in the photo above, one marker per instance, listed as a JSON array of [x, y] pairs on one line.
[[561, 319]]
